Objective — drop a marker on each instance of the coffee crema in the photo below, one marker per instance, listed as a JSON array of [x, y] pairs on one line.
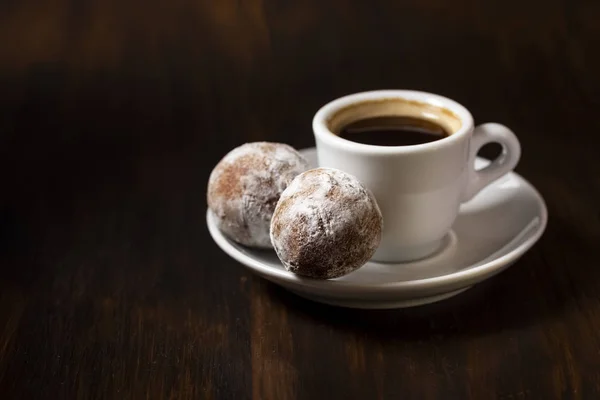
[[393, 130]]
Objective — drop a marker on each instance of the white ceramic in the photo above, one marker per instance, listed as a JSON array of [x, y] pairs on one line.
[[419, 188], [490, 233]]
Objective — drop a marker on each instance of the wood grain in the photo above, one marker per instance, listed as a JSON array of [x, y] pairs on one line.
[[113, 113]]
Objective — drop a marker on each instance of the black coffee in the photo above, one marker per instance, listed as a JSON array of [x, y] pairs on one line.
[[393, 131]]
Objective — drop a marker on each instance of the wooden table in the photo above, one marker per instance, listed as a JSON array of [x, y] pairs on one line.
[[113, 113]]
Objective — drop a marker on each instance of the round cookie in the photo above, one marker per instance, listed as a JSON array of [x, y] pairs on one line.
[[326, 224], [244, 187]]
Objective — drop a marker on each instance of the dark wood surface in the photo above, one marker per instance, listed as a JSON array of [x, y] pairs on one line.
[[112, 114]]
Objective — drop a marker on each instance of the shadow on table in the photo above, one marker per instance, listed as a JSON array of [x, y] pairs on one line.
[[472, 312]]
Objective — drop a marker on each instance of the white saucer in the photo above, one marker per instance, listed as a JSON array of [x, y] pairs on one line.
[[491, 232]]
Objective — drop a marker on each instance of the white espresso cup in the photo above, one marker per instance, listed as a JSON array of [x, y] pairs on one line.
[[419, 187]]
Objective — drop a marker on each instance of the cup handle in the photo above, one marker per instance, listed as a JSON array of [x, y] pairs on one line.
[[504, 163]]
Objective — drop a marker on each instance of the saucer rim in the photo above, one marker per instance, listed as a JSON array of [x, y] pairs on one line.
[[464, 275]]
